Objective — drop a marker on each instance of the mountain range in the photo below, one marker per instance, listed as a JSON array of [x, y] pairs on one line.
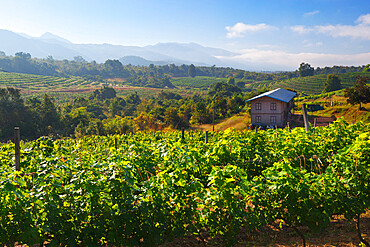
[[59, 48]]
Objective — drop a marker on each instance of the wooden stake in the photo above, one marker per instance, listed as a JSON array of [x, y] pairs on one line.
[[206, 136], [17, 139], [182, 133], [115, 143], [305, 117], [355, 118]]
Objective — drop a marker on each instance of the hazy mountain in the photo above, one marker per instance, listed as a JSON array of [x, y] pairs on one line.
[[12, 42], [162, 53], [52, 38], [139, 61]]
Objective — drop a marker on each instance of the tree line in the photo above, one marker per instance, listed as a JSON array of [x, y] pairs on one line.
[[23, 62], [104, 113]]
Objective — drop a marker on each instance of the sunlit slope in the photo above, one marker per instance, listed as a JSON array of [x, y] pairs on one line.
[[39, 82], [308, 85]]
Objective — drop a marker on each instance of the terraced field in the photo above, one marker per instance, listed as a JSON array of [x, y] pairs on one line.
[[35, 83], [65, 89], [196, 82], [309, 84]]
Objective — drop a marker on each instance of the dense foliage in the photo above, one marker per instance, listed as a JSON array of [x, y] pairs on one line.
[[359, 93], [112, 68], [148, 188], [104, 113]]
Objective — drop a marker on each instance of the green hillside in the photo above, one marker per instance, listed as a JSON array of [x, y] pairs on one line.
[[40, 82], [196, 82], [308, 85]]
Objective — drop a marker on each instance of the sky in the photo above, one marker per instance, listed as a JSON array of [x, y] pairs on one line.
[[321, 32]]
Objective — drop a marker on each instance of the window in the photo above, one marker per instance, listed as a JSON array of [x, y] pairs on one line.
[[273, 106], [272, 119], [258, 119], [258, 106]]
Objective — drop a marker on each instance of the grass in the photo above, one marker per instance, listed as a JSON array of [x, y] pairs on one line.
[[238, 122]]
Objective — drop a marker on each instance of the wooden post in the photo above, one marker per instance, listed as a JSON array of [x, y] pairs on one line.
[[255, 129], [305, 117], [182, 133], [17, 139], [115, 143], [314, 122], [213, 120], [355, 118], [288, 125], [206, 136]]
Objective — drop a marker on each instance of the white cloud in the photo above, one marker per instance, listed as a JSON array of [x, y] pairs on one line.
[[239, 29], [301, 29], [364, 19], [309, 44], [311, 13], [361, 30], [283, 60]]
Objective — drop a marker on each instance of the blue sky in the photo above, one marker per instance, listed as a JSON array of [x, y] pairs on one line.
[[323, 32]]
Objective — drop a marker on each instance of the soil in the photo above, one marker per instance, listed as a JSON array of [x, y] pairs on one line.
[[341, 233]]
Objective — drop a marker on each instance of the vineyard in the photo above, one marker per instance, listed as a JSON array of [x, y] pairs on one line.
[[38, 85], [39, 82], [196, 82], [308, 85], [149, 188]]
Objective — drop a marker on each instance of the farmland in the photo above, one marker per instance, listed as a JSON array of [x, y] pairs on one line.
[[308, 85], [150, 188]]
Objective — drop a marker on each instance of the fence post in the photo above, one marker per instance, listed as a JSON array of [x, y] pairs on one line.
[[355, 118], [17, 139], [288, 125], [182, 133], [115, 143], [206, 136], [305, 117]]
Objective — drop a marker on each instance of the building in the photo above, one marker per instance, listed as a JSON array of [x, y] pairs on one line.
[[272, 108]]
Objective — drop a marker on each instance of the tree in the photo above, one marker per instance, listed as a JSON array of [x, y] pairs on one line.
[[366, 68], [104, 93], [240, 84], [332, 83], [2, 54], [192, 72], [305, 69], [25, 56], [13, 112], [49, 115], [359, 93], [231, 81], [79, 59], [224, 89]]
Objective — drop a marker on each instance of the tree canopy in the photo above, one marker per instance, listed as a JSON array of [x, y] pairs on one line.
[[305, 69], [332, 83], [359, 93], [192, 71]]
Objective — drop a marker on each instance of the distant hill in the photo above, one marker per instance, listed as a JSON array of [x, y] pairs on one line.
[[12, 42], [308, 85], [52, 38], [60, 48], [139, 61]]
